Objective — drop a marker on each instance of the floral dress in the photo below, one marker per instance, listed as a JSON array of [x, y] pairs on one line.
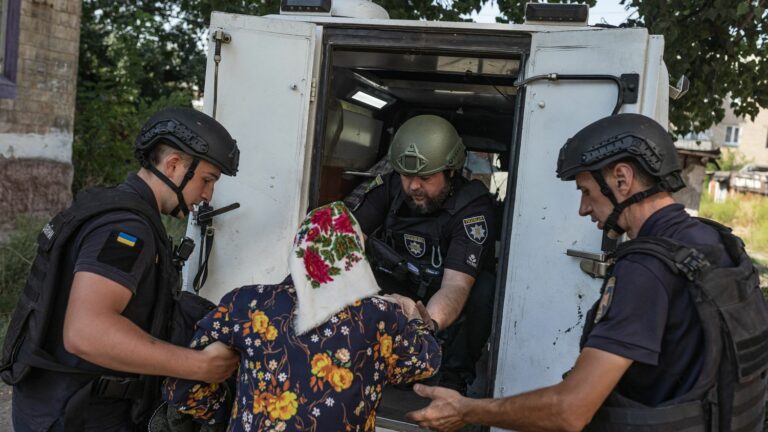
[[328, 379]]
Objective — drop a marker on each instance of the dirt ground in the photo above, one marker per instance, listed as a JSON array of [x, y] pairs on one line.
[[5, 408]]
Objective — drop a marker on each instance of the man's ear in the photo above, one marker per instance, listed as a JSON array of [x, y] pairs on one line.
[[624, 176], [171, 164]]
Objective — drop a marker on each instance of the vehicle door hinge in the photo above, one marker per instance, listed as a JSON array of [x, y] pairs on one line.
[[313, 90]]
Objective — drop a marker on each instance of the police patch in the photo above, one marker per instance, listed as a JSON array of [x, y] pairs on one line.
[[416, 245], [605, 300], [476, 229], [121, 250]]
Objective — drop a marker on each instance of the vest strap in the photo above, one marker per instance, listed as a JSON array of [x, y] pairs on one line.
[[687, 417]]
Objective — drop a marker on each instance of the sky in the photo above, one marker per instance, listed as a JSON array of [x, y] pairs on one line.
[[609, 10]]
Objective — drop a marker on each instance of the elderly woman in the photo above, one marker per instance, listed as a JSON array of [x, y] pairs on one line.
[[317, 349]]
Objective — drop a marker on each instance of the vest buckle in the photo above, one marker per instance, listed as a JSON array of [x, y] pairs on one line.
[[692, 263]]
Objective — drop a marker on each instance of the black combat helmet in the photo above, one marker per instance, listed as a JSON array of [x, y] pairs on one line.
[[192, 132], [195, 134], [620, 137]]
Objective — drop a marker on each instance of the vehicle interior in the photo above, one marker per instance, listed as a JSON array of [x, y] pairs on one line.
[[369, 89]]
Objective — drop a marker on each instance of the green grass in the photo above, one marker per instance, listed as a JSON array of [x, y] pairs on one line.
[[747, 214], [16, 256]]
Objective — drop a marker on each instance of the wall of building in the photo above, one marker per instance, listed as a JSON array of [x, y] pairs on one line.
[[36, 127], [753, 135], [754, 138]]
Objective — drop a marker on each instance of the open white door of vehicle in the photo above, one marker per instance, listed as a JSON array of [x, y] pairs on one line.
[[263, 99]]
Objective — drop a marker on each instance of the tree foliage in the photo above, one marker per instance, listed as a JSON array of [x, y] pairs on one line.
[[135, 58], [721, 46]]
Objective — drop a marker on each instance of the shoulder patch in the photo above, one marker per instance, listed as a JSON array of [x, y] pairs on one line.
[[476, 229], [378, 181], [606, 299], [121, 250], [473, 254]]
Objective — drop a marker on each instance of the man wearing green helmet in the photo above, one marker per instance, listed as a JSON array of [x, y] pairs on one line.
[[431, 237]]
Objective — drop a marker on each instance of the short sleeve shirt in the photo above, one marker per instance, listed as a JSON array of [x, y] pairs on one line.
[[652, 319], [468, 237], [120, 246]]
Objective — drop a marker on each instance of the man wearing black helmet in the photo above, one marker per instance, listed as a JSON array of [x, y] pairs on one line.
[[115, 278], [649, 361], [431, 237]]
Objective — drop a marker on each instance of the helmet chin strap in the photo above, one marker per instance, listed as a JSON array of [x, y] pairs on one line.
[[182, 204], [612, 223]]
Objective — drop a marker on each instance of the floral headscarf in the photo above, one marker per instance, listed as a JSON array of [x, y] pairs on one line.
[[328, 265]]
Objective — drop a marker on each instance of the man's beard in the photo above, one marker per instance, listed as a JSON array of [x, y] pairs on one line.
[[430, 205]]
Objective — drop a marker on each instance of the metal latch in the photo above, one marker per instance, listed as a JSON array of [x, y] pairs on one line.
[[595, 264]]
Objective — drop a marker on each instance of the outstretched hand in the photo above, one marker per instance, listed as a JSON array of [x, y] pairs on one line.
[[443, 413]]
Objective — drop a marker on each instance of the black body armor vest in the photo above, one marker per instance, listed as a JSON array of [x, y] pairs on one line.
[[730, 392], [24, 347], [420, 242]]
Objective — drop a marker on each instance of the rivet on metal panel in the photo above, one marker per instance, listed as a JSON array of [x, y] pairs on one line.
[[294, 87], [542, 104]]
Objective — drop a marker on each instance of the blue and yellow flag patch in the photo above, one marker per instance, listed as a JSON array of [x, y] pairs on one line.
[[121, 250], [126, 239]]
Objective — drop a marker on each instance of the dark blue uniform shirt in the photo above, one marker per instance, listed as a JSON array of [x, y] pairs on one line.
[[652, 319]]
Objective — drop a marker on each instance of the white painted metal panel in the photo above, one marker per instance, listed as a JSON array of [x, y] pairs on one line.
[[655, 101], [263, 99], [547, 295]]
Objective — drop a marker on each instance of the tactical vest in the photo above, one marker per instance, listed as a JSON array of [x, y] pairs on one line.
[[730, 392], [420, 241], [24, 347]]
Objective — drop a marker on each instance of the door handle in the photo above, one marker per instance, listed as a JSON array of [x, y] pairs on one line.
[[595, 264]]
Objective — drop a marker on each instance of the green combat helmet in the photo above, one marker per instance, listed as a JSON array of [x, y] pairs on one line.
[[425, 145]]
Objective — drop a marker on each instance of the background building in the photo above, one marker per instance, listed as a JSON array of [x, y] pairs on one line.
[[39, 42], [748, 137]]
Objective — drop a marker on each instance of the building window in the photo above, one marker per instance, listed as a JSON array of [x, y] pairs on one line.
[[9, 46], [696, 136], [732, 136]]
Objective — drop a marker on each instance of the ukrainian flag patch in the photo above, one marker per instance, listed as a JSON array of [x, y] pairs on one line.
[[126, 239], [121, 250]]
